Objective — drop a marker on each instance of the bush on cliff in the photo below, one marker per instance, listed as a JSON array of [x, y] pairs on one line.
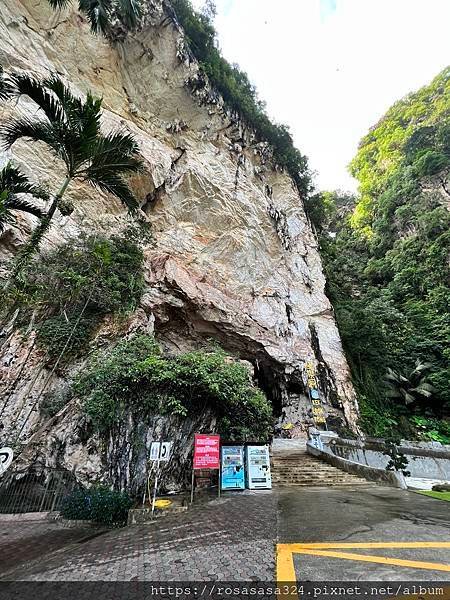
[[78, 284], [136, 377]]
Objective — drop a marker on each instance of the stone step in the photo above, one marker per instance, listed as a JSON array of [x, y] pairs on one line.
[[302, 469], [318, 479], [299, 469], [335, 476], [323, 484]]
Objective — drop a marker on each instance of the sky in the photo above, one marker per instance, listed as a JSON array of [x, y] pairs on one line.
[[331, 68]]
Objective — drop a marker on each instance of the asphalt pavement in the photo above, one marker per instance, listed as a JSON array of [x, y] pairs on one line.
[[368, 533]]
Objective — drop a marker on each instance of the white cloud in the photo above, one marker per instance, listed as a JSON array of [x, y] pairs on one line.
[[331, 68]]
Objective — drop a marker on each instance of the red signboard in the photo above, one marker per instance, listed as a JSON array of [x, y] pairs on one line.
[[206, 451]]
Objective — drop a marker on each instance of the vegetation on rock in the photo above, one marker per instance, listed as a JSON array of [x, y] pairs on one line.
[[238, 93], [92, 276], [135, 377], [101, 13], [387, 262], [231, 82]]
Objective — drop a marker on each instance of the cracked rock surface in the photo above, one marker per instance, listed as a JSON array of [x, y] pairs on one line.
[[233, 259]]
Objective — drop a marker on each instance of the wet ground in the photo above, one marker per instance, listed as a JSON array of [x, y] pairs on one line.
[[376, 522], [404, 536]]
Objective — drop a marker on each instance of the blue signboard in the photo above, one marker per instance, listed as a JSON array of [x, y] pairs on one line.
[[232, 475]]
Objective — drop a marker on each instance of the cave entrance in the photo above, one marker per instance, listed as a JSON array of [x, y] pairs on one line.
[[269, 380]]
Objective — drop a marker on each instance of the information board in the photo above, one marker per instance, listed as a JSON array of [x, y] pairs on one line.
[[206, 451]]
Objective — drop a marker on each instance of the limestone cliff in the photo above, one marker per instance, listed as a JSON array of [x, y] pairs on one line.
[[233, 259]]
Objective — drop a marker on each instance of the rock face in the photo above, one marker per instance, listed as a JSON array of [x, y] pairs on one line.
[[233, 258]]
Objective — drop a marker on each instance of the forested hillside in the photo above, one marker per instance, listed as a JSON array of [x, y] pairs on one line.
[[386, 254]]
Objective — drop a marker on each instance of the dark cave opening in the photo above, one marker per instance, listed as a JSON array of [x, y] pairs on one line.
[[270, 381]]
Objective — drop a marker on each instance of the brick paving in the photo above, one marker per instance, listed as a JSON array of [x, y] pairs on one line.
[[22, 541], [228, 539]]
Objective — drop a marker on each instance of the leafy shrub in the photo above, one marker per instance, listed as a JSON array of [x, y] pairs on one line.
[[135, 376], [57, 333], [92, 276], [98, 504], [432, 430], [375, 419], [397, 460]]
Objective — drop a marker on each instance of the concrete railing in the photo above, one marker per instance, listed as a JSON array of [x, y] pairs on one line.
[[392, 478], [427, 460]]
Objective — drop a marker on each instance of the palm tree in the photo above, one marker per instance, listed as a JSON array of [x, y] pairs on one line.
[[100, 13], [71, 129], [409, 388], [13, 183]]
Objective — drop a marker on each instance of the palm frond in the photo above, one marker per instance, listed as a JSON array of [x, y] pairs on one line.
[[424, 389], [409, 398], [59, 3], [116, 152], [27, 85], [15, 203], [13, 181], [5, 215], [391, 376], [130, 12], [38, 131], [98, 13], [85, 124], [109, 182], [421, 367], [66, 99]]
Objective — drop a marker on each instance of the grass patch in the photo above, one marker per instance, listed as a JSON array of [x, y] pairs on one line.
[[438, 495]]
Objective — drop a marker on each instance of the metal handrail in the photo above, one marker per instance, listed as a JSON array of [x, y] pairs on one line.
[[35, 489]]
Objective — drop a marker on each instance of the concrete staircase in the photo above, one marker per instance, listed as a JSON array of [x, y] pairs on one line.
[[292, 466]]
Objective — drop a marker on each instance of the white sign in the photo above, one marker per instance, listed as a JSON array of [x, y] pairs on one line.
[[160, 451], [154, 450], [165, 451], [6, 457]]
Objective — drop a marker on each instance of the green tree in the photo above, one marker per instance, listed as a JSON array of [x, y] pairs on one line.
[[13, 185], [136, 377], [412, 387], [70, 127], [387, 266]]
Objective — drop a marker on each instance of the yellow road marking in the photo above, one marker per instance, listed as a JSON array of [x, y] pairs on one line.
[[285, 552], [369, 545], [285, 563], [384, 560]]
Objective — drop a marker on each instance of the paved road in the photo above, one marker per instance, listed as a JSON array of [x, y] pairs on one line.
[[374, 516], [228, 539], [236, 538]]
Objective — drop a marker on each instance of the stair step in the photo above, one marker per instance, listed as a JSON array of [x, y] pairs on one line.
[[335, 479], [299, 469]]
